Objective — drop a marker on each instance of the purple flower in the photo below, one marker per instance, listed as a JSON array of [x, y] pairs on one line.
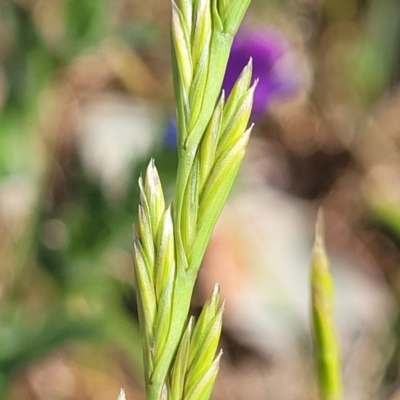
[[271, 56], [170, 137]]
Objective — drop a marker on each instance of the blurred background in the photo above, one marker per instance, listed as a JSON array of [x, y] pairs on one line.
[[86, 99]]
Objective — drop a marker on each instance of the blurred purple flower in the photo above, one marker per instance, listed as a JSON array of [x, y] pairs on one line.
[[271, 56], [170, 137]]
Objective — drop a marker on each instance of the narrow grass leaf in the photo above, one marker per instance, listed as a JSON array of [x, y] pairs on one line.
[[324, 335]]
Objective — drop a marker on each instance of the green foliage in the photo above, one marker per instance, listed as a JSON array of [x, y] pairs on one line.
[[327, 353], [170, 242]]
